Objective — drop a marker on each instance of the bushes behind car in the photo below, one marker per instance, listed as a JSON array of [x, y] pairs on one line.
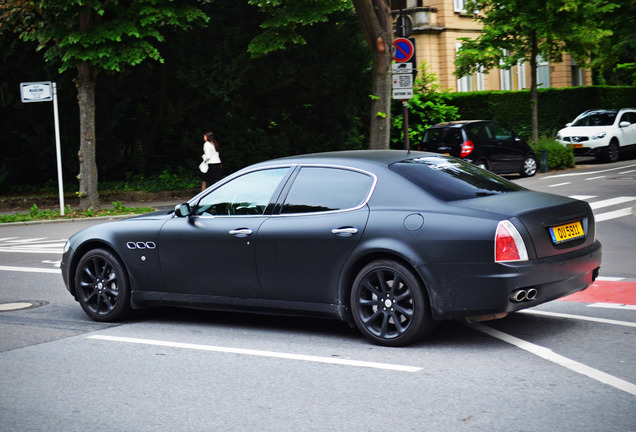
[[559, 157]]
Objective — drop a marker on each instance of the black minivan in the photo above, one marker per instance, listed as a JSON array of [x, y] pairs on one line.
[[485, 143]]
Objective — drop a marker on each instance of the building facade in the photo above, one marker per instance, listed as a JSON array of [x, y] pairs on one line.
[[437, 27]]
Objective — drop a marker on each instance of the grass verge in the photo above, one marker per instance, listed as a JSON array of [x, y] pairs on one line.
[[35, 214]]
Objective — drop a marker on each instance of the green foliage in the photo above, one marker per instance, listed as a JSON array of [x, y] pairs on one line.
[[106, 35], [559, 156], [428, 106], [35, 214], [525, 28], [558, 106]]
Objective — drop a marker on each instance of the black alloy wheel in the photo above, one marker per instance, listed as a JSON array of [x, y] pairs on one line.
[[483, 164], [102, 286], [529, 167], [389, 304]]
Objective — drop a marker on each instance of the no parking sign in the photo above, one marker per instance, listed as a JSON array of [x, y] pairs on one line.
[[404, 50]]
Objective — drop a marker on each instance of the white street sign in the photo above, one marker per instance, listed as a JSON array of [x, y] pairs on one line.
[[403, 93], [402, 68], [36, 92], [402, 81]]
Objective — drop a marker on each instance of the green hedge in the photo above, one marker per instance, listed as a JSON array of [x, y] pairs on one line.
[[557, 106]]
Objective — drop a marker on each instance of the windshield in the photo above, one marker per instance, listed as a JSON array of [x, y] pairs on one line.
[[452, 179], [596, 118]]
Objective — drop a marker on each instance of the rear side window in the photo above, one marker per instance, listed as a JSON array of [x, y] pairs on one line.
[[320, 189], [452, 179], [433, 136]]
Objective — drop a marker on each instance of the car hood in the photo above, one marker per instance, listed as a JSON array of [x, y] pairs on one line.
[[584, 130]]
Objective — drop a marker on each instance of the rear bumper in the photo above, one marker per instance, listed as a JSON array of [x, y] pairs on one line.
[[467, 290]]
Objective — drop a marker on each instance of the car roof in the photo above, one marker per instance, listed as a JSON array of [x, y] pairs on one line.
[[460, 123], [352, 158]]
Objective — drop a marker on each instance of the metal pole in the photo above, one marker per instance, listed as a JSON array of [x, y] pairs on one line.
[[57, 150], [405, 111]]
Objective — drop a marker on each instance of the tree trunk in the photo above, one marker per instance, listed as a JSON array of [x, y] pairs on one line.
[[534, 94], [89, 197], [375, 19]]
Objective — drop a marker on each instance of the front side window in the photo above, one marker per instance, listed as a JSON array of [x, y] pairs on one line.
[[501, 133], [320, 189], [249, 194]]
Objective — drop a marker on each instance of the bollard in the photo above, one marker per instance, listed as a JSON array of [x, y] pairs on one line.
[[544, 161]]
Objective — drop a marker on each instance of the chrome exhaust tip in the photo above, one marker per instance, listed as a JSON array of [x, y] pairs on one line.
[[518, 296], [531, 294]]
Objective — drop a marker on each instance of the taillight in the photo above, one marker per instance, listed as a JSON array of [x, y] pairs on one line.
[[467, 148], [509, 245]]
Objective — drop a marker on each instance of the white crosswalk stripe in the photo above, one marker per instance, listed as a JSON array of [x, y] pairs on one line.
[[32, 245], [613, 214]]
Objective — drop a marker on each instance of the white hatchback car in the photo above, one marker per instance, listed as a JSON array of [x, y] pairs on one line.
[[600, 132]]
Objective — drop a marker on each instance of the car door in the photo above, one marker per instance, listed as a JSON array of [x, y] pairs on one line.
[[628, 132], [507, 149], [211, 252], [301, 250]]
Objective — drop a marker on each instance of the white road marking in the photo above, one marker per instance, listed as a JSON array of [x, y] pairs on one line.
[[560, 184], [613, 214], [595, 178], [611, 202], [574, 174], [550, 355], [609, 278], [580, 317], [29, 269], [627, 172], [612, 306], [582, 197], [259, 353]]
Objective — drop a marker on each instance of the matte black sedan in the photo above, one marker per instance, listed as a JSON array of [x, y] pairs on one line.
[[486, 143], [387, 240]]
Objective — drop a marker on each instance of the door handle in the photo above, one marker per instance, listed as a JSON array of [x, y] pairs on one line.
[[241, 232], [345, 232]]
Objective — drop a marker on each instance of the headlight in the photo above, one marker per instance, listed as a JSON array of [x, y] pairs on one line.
[[599, 135], [67, 246], [558, 136]]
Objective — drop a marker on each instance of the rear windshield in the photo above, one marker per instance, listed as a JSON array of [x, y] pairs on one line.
[[451, 179], [596, 118]]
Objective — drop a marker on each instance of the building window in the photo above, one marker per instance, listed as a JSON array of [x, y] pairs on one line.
[[543, 73], [577, 75], [460, 6], [513, 78], [469, 83]]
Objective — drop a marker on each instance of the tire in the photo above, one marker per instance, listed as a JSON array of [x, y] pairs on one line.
[[529, 167], [102, 286], [613, 152], [483, 164], [389, 304]]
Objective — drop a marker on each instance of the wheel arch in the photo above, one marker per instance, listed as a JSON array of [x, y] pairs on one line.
[[82, 250], [359, 262]]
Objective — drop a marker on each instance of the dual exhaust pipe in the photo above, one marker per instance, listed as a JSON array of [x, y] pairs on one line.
[[517, 296]]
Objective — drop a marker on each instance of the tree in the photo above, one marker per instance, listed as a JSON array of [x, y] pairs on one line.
[[95, 36], [526, 29], [375, 19]]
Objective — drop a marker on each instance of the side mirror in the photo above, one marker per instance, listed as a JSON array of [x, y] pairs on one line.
[[568, 124], [624, 124], [182, 210]]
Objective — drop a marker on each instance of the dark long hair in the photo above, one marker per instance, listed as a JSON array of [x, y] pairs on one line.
[[210, 136]]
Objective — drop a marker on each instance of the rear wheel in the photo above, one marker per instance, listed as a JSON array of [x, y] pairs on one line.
[[102, 286], [389, 304], [529, 167], [483, 164]]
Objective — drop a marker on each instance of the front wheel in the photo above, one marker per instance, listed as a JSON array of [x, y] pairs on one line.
[[389, 304], [612, 152], [102, 286], [529, 167]]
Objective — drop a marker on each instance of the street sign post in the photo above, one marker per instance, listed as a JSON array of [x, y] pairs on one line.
[[47, 92], [404, 50]]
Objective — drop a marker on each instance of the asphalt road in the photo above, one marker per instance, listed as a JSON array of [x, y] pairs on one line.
[[565, 365]]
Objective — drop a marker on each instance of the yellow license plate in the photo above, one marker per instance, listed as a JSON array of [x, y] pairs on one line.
[[567, 232], [575, 145]]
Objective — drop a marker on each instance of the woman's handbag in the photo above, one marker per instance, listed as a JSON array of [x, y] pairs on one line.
[[203, 166]]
